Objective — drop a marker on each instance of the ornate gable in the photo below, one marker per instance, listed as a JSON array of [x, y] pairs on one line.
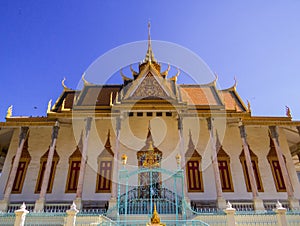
[[149, 88]]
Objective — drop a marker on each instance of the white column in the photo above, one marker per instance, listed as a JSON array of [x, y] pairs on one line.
[[39, 204], [116, 164], [258, 204], [294, 203], [21, 215], [220, 200], [83, 163], [183, 161], [13, 172]]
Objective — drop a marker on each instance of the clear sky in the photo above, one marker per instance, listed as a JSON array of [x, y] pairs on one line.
[[257, 41]]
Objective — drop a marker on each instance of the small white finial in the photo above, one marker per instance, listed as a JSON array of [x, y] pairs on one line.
[[278, 205], [73, 206], [23, 206], [229, 205]]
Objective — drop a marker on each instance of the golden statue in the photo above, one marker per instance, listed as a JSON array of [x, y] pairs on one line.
[[150, 161]]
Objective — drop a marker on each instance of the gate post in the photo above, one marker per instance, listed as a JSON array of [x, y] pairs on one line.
[[281, 214], [21, 215], [230, 214], [71, 215]]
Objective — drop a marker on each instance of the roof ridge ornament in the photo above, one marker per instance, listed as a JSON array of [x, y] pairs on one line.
[[235, 82], [248, 106], [49, 106], [288, 112], [166, 72], [124, 77], [64, 85], [174, 78], [134, 73], [84, 80], [9, 111]]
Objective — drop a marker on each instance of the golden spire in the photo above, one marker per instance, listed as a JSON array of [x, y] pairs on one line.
[[155, 219], [149, 55]]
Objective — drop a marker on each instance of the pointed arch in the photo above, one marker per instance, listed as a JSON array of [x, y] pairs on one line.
[[193, 168], [74, 168], [105, 166], [224, 169], [254, 161], [22, 169], [275, 168], [43, 162]]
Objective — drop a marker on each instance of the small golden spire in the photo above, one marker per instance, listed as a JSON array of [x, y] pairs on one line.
[[155, 219], [149, 55], [9, 111]]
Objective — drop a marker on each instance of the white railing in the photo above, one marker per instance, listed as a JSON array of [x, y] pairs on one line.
[[243, 206], [15, 206], [271, 205], [56, 207]]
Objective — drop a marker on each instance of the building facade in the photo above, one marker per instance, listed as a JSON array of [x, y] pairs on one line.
[[105, 145]]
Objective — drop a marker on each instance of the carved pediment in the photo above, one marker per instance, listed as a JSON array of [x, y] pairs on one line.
[[149, 88]]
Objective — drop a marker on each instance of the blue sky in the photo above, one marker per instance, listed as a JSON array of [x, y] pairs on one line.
[[42, 41]]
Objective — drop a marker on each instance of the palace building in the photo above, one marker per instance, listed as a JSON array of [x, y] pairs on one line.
[[149, 143]]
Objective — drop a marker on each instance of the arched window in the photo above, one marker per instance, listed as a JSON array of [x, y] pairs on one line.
[[105, 166], [22, 168], [275, 168], [43, 163], [193, 168], [224, 170], [74, 168], [254, 161]]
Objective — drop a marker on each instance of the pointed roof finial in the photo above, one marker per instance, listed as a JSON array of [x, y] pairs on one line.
[[191, 145], [107, 143], [218, 143], [149, 33], [149, 55], [288, 112], [149, 136]]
